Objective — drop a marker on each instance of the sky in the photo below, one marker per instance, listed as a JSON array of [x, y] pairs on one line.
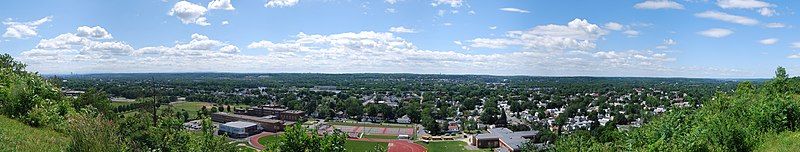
[[631, 38]]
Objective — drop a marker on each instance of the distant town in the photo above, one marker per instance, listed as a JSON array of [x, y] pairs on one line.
[[474, 112]]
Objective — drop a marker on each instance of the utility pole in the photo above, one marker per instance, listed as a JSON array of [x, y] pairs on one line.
[[155, 103]]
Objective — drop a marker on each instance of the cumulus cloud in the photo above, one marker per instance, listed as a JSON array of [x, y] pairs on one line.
[[72, 47], [796, 45], [666, 44], [769, 41], [280, 3], [21, 30], [794, 56], [225, 23], [727, 17], [552, 50], [716, 32], [401, 29], [631, 33], [189, 13], [613, 26], [516, 10], [221, 4], [392, 1], [763, 8], [746, 4], [767, 12], [577, 34], [452, 3], [658, 4], [93, 32]]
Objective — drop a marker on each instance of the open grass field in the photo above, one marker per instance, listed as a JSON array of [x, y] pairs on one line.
[[269, 139], [449, 146], [362, 146], [787, 141], [191, 107], [16, 136]]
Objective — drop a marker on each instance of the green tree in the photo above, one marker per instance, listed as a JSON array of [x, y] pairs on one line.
[[94, 98]]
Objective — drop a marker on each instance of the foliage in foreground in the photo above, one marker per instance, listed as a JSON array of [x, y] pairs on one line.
[[297, 139], [88, 121], [739, 121], [16, 136]]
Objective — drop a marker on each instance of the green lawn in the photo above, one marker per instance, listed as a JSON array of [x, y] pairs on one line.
[[370, 125], [361, 146], [268, 139], [787, 141], [449, 146], [16, 136]]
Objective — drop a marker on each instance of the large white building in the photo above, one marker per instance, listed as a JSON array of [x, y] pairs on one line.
[[238, 129]]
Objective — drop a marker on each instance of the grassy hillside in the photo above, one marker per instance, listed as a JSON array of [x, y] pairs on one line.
[[16, 136], [787, 141]]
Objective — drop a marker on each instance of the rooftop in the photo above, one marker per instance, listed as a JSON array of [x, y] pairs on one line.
[[239, 124]]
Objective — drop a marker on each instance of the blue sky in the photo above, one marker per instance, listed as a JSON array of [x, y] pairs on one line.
[[658, 38]]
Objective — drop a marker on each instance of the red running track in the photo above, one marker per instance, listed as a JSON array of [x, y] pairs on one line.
[[405, 146]]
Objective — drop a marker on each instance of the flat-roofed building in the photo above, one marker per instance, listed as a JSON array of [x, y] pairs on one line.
[[504, 139], [238, 129], [270, 125], [291, 115]]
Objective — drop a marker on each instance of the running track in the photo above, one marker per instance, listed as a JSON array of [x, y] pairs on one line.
[[405, 146]]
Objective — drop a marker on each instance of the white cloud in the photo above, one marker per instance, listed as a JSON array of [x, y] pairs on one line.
[[71, 47], [280, 3], [769, 41], [666, 44], [716, 32], [392, 1], [746, 4], [577, 34], [221, 4], [767, 12], [492, 27], [21, 30], [390, 10], [796, 45], [551, 50], [763, 7], [401, 30], [613, 26], [93, 32], [452, 3], [225, 23], [727, 17], [631, 33], [189, 13], [775, 25], [658, 4], [517, 10], [794, 56]]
